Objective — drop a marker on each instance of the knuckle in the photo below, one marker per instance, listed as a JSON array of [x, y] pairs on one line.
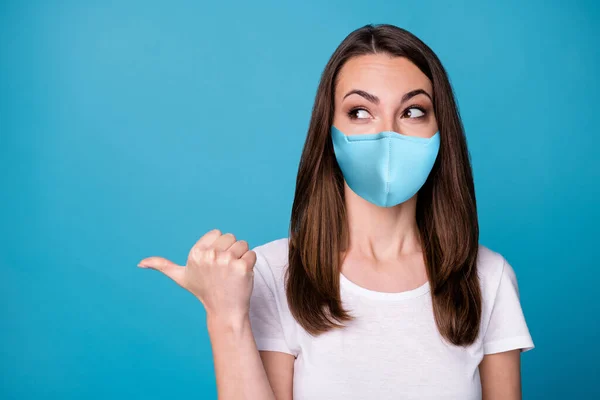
[[207, 255], [196, 249], [234, 264], [245, 264], [240, 267], [226, 256], [230, 236], [192, 255]]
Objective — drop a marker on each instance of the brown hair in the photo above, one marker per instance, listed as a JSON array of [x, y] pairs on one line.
[[446, 210]]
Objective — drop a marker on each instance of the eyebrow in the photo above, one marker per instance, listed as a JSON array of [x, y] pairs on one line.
[[374, 99]]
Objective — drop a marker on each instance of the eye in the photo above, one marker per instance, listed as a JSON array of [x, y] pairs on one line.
[[417, 113], [355, 113]]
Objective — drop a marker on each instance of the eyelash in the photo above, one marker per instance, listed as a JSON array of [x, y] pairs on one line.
[[351, 112]]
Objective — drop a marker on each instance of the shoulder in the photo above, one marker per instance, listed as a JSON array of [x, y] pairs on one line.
[[498, 281], [492, 267], [489, 265], [273, 326], [503, 321], [274, 252], [272, 261]]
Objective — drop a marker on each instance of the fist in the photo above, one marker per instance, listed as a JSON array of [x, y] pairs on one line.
[[219, 272]]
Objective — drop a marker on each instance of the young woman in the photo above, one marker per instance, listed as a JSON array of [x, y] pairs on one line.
[[382, 290]]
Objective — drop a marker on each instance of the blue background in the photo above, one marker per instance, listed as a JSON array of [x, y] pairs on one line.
[[129, 129]]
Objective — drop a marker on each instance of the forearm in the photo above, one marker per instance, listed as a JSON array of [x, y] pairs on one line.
[[239, 369]]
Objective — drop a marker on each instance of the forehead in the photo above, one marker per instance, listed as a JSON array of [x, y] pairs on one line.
[[381, 74]]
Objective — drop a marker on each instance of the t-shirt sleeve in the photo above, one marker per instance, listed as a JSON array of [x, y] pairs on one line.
[[265, 318], [507, 328]]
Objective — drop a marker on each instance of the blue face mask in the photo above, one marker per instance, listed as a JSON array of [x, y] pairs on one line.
[[385, 168]]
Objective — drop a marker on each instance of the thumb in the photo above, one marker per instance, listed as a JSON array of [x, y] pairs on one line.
[[169, 268]]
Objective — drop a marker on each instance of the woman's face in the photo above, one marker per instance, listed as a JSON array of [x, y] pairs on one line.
[[377, 92]]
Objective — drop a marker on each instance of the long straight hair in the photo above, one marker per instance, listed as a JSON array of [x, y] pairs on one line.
[[446, 210]]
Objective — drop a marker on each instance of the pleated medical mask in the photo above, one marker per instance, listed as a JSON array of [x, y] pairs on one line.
[[385, 168]]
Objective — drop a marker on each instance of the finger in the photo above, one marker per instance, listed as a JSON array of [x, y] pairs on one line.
[[208, 256], [207, 239], [239, 248], [250, 258], [224, 242], [245, 264], [234, 252], [224, 258], [169, 268]]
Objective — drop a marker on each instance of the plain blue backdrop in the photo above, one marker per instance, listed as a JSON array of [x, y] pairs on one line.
[[130, 128]]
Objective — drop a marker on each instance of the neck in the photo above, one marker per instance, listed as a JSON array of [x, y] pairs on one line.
[[381, 233]]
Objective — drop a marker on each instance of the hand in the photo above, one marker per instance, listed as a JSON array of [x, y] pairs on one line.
[[219, 272]]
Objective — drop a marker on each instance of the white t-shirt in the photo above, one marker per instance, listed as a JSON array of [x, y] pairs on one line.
[[393, 349]]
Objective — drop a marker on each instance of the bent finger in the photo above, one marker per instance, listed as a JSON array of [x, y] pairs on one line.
[[224, 242], [207, 239], [239, 248], [250, 258]]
